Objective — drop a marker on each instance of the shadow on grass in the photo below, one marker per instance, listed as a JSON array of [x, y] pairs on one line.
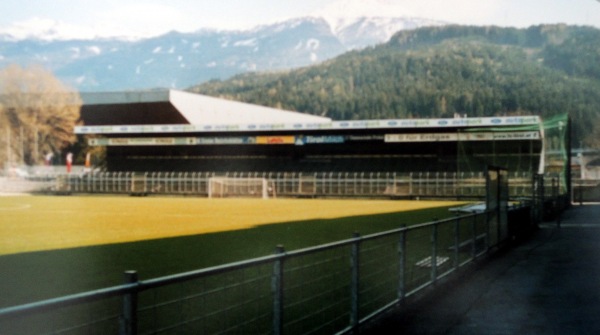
[[33, 276]]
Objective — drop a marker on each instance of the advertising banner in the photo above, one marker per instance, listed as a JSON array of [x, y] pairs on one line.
[[358, 124], [275, 139], [453, 137], [167, 141]]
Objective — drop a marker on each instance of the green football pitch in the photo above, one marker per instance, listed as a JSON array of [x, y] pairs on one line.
[[52, 246]]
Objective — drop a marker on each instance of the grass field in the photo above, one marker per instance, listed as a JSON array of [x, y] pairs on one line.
[[48, 223], [52, 246]]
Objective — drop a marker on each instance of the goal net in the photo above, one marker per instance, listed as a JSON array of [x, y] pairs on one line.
[[138, 184], [223, 187]]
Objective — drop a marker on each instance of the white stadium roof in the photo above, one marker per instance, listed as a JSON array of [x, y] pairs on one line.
[[199, 109]]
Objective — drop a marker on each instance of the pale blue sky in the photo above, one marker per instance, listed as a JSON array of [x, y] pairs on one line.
[[152, 17]]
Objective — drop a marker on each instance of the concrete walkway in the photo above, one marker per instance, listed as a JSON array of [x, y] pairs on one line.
[[549, 284]]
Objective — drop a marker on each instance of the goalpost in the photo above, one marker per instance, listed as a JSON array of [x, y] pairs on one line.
[[224, 187], [138, 185]]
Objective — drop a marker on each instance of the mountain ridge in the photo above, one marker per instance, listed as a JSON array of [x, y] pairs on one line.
[[441, 72], [179, 60]]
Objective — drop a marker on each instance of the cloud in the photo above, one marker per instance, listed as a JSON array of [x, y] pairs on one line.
[[131, 21], [145, 19], [360, 8], [46, 29]]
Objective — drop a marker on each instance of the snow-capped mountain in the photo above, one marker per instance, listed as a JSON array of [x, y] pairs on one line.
[[365, 31], [180, 60]]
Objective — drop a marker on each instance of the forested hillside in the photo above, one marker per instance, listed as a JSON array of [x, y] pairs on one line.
[[440, 72]]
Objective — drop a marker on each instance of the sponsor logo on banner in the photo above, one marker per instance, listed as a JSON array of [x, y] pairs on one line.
[[467, 122], [521, 120], [165, 141], [227, 127], [275, 139], [526, 135], [433, 137], [147, 141], [118, 141], [415, 123], [365, 138], [323, 139], [271, 126], [224, 140], [365, 124], [483, 136]]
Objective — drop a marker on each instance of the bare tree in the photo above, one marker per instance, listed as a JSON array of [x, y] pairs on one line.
[[37, 114]]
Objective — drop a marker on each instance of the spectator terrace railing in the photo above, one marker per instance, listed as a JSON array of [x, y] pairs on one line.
[[326, 289]]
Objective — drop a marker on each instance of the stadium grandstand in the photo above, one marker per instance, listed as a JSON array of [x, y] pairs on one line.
[[181, 131]]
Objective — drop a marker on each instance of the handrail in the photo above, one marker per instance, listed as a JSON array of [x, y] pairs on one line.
[[68, 300], [143, 285]]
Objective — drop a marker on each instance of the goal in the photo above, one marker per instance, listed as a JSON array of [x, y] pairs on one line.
[[138, 185], [223, 187]]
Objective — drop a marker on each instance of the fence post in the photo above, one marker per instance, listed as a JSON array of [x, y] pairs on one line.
[[474, 244], [402, 265], [89, 181], [488, 228], [581, 193], [129, 317], [434, 238], [354, 313], [277, 287], [456, 241]]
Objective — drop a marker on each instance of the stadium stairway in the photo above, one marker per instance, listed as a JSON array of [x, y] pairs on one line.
[[549, 284]]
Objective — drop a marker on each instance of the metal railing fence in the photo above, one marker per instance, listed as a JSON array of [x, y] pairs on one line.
[[326, 289], [286, 184]]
